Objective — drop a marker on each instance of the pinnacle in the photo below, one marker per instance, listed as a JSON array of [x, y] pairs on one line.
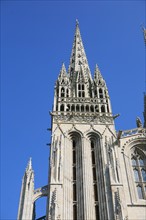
[[63, 67], [97, 73], [98, 78], [63, 70]]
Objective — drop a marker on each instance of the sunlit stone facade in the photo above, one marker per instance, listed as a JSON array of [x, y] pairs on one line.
[[95, 173]]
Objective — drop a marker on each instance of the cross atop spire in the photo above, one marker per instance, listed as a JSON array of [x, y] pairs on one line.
[[78, 56]]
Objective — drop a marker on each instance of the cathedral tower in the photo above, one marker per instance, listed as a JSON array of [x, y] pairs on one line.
[[95, 173], [82, 123]]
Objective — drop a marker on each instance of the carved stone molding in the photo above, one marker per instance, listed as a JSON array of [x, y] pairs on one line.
[[83, 118]]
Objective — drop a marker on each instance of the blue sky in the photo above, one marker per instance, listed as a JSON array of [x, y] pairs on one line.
[[36, 37]]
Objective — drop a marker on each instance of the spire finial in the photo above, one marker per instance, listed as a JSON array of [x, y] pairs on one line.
[[77, 22]]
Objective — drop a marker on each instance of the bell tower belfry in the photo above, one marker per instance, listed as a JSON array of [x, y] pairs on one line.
[[82, 124]]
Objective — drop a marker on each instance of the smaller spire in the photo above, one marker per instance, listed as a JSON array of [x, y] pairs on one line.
[[98, 79], [97, 72], [63, 71], [63, 76]]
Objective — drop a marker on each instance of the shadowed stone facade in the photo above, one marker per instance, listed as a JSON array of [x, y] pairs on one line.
[[96, 173]]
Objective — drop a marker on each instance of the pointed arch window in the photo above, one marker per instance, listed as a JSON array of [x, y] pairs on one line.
[[62, 92], [82, 108], [73, 108], [81, 90], [92, 108], [77, 108], [100, 93], [87, 108], [107, 107], [77, 178], [67, 93], [62, 108], [92, 145], [95, 92], [102, 108], [74, 174], [138, 162]]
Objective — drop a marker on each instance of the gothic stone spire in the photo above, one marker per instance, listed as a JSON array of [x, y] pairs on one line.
[[78, 57]]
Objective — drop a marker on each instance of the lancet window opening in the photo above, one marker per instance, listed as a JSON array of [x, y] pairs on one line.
[[107, 105], [67, 93], [77, 177], [138, 162], [95, 92], [100, 93], [57, 91], [62, 92], [81, 90], [62, 107], [103, 108], [94, 174], [74, 167]]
